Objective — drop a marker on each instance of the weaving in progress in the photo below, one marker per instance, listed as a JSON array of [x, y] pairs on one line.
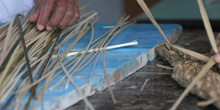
[[87, 64]]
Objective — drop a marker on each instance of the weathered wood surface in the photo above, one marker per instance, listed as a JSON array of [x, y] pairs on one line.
[[160, 91]]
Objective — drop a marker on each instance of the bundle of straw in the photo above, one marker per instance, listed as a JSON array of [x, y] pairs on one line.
[[46, 59], [185, 69]]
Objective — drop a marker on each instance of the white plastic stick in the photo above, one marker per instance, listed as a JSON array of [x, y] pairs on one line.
[[109, 47]]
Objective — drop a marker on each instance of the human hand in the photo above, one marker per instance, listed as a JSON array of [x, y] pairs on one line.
[[65, 13]]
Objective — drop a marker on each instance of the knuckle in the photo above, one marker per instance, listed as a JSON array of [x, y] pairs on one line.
[[61, 8], [48, 5], [69, 14]]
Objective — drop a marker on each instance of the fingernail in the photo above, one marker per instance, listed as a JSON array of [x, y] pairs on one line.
[[49, 28], [40, 27]]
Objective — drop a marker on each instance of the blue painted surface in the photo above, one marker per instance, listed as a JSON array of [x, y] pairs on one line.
[[147, 37], [146, 34]]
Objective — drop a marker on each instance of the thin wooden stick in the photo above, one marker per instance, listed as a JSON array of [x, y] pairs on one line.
[[104, 64], [144, 84], [87, 47], [7, 38], [150, 16], [207, 26], [107, 80], [77, 88], [165, 67], [208, 102], [44, 68], [24, 49], [10, 62], [192, 53], [105, 71]]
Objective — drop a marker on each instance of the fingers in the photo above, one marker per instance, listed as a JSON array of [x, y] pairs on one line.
[[66, 13], [45, 10], [76, 16], [58, 14], [35, 15], [69, 15]]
